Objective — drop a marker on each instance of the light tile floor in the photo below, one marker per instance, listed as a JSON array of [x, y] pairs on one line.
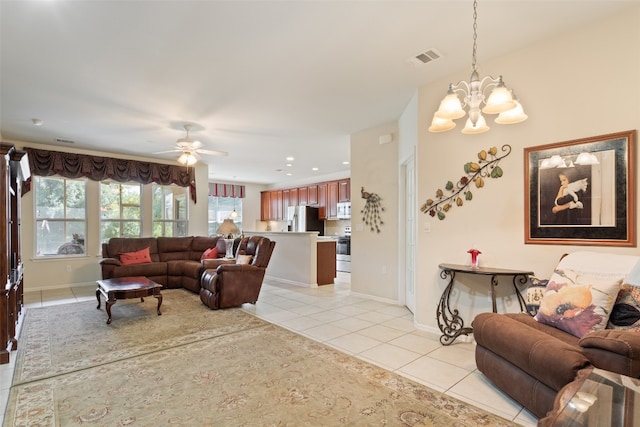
[[382, 334]]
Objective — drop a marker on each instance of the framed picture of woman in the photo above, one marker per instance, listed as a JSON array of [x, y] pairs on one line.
[[581, 192]]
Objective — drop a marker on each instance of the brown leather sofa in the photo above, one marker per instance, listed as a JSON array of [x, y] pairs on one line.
[[233, 284], [532, 361], [175, 261]]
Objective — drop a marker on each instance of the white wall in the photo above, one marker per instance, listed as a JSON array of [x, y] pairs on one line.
[[579, 84], [374, 260]]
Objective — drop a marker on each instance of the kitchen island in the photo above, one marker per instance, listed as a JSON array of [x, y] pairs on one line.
[[301, 258]]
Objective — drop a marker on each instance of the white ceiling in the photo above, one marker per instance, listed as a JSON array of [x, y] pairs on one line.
[[261, 80]]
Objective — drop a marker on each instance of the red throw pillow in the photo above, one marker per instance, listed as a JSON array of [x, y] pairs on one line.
[[138, 257], [210, 253]]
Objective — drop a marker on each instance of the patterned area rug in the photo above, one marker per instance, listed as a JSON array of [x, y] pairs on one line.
[[204, 368]]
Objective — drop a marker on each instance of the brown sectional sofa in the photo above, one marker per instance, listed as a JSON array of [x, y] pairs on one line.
[[175, 261], [532, 361]]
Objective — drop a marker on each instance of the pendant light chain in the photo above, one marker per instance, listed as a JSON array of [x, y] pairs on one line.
[[475, 35]]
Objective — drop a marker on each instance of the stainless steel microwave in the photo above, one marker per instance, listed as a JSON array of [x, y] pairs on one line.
[[344, 210]]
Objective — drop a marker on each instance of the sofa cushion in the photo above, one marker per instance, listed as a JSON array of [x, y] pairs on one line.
[[578, 303], [175, 248], [138, 257]]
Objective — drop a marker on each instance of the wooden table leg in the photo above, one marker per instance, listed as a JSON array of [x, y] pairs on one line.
[[158, 296], [109, 303]]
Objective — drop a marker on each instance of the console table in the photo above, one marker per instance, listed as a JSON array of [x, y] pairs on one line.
[[449, 321]]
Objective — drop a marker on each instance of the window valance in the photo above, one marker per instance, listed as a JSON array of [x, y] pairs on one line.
[[71, 165], [226, 190]]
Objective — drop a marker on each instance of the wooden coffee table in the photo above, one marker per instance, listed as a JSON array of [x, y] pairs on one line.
[[125, 288]]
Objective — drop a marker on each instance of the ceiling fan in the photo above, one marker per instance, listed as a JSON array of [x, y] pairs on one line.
[[190, 148]]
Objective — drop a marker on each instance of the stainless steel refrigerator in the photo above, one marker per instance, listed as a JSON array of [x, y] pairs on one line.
[[304, 218]]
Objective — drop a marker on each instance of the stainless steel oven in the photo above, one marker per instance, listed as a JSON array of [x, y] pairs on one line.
[[343, 252]]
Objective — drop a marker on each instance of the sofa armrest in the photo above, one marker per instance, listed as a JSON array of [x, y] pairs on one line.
[[235, 268], [213, 263], [625, 343], [613, 350], [110, 261]]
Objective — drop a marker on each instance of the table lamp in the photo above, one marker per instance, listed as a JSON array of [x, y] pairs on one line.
[[227, 229]]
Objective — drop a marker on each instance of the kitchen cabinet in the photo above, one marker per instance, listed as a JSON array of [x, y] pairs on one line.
[[276, 205], [326, 262], [312, 195], [265, 206], [289, 198], [322, 201], [332, 199], [324, 195], [303, 196], [344, 190]]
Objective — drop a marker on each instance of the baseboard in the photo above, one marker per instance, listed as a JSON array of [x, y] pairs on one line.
[[60, 286], [289, 282]]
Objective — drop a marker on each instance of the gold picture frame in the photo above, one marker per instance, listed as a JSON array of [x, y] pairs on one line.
[[581, 192]]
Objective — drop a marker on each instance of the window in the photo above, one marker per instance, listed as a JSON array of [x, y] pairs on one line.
[[120, 210], [170, 213], [221, 208], [60, 213]]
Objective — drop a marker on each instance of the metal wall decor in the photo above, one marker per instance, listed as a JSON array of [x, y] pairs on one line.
[[487, 166], [371, 212]]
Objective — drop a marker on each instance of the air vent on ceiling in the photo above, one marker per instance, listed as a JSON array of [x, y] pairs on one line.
[[64, 141], [425, 57]]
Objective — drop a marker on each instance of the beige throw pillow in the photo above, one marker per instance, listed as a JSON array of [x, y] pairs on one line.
[[244, 259]]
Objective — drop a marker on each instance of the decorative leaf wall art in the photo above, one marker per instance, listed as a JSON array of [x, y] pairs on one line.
[[371, 212], [487, 166]]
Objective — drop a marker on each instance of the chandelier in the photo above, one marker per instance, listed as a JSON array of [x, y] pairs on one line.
[[500, 101]]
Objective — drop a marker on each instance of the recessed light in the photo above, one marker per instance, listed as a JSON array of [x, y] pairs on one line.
[[289, 174], [314, 169], [290, 159], [289, 165], [345, 163], [37, 122]]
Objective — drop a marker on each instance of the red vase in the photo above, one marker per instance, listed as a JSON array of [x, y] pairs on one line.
[[474, 257]]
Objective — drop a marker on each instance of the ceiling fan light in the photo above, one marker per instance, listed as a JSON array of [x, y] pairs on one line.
[[187, 158], [515, 115], [499, 101]]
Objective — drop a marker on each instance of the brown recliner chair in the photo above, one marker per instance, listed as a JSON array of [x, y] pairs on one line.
[[233, 284]]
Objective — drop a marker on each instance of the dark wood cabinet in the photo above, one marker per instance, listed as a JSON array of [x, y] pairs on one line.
[[322, 201], [12, 171], [303, 196], [289, 198], [333, 188], [344, 190], [276, 205], [265, 206], [324, 195], [312, 195]]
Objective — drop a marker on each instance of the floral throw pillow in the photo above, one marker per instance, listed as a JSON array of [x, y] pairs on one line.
[[625, 314], [578, 303]]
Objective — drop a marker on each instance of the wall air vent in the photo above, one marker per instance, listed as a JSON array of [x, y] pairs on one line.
[[425, 57], [64, 141]]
